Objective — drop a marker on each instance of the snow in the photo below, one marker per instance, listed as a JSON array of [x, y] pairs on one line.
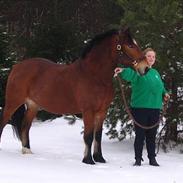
[[58, 150]]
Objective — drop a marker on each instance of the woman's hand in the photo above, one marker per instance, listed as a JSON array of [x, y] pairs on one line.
[[166, 97], [117, 70]]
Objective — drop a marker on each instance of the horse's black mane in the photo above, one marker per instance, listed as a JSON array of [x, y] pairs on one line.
[[96, 40]]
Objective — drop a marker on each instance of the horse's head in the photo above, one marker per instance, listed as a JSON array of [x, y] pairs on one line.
[[129, 53]]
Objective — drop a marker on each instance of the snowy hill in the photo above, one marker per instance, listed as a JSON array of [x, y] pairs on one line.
[[58, 151]]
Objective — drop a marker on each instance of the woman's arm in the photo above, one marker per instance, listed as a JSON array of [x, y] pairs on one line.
[[127, 74]]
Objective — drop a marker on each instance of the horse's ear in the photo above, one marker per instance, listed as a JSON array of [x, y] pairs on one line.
[[124, 32]]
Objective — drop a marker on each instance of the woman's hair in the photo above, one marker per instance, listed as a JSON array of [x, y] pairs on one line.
[[148, 49]]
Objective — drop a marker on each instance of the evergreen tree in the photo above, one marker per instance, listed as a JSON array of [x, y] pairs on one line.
[[6, 61], [158, 24]]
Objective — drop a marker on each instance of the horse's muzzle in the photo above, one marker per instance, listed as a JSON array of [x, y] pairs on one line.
[[141, 67]]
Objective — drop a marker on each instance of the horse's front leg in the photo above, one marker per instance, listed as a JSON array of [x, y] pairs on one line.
[[88, 118], [97, 155]]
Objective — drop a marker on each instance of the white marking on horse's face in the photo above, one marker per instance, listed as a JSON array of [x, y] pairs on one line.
[[134, 41]]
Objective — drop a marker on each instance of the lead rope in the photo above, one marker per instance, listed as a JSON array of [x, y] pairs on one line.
[[130, 114]]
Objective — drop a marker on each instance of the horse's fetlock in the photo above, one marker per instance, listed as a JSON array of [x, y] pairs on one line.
[[88, 160], [98, 158], [26, 150]]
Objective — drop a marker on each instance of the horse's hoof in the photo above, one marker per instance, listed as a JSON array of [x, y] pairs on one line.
[[99, 158], [88, 161], [26, 150]]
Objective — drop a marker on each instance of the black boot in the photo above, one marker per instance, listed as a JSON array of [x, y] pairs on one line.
[[137, 162], [153, 162]]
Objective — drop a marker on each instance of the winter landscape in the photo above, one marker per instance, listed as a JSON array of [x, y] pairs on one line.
[[58, 151]]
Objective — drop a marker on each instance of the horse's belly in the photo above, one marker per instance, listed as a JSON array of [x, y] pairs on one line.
[[59, 106], [60, 109]]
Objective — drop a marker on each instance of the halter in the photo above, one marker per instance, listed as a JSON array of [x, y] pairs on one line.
[[134, 61]]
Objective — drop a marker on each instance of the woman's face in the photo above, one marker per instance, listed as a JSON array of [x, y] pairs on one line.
[[151, 57]]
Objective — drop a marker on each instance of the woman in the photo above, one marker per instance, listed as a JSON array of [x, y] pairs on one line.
[[147, 97]]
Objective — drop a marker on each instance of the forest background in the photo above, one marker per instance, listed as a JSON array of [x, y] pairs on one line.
[[59, 29]]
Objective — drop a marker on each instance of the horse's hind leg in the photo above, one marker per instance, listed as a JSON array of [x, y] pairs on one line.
[[6, 116], [97, 155], [88, 136], [26, 124]]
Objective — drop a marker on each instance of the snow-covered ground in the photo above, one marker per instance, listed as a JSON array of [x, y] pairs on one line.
[[58, 151]]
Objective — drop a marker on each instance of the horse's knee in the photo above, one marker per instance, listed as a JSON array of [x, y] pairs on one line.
[[88, 138], [98, 135]]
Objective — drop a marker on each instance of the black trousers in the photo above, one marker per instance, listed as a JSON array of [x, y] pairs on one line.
[[146, 117]]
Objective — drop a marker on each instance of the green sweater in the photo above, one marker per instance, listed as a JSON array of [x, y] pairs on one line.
[[147, 90]]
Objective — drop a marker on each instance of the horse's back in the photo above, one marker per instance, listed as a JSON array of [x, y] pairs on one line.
[[24, 74], [45, 83], [26, 71], [32, 65]]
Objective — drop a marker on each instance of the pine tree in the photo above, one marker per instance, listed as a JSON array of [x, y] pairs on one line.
[[158, 24], [6, 61]]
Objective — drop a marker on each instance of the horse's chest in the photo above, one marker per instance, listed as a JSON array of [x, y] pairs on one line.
[[94, 95], [103, 96]]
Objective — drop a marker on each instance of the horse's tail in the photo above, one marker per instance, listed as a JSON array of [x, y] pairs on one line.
[[17, 120]]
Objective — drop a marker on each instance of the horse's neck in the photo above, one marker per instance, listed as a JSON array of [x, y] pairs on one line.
[[99, 64]]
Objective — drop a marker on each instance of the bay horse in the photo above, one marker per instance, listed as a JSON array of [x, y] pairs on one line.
[[85, 87]]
